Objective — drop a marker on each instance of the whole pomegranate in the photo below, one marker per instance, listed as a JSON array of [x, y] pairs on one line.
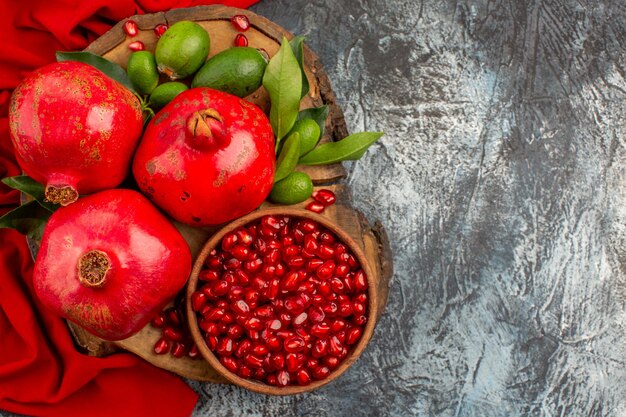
[[74, 129], [206, 158], [110, 262]]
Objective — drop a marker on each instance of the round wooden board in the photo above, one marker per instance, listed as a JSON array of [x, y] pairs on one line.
[[267, 35]]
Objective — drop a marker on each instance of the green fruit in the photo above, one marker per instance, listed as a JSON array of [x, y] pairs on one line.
[[142, 71], [309, 132], [165, 93], [182, 49], [237, 71], [294, 188]]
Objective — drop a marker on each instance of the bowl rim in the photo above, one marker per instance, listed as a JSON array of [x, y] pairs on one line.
[[255, 385]]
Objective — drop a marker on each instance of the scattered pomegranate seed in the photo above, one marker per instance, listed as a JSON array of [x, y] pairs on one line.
[[160, 29], [315, 207], [162, 346], [131, 28], [241, 40], [324, 196], [281, 301], [175, 335], [136, 46], [240, 22]]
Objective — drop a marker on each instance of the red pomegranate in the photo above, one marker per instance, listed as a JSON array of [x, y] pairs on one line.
[[206, 158], [110, 262], [74, 129]]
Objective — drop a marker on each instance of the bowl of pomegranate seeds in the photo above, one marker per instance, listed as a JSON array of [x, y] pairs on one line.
[[280, 301]]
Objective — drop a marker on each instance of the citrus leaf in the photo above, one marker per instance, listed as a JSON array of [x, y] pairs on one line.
[[29, 186], [297, 46], [283, 81], [28, 219], [288, 158], [110, 69], [349, 148]]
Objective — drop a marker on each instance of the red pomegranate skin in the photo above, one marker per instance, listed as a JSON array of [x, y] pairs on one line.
[[148, 262], [206, 158], [74, 129]]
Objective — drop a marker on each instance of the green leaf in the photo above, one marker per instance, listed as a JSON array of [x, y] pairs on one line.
[[29, 186], [350, 148], [283, 81], [111, 69], [288, 158], [29, 219], [297, 46]]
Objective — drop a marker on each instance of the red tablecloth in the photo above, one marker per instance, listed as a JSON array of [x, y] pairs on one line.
[[40, 371]]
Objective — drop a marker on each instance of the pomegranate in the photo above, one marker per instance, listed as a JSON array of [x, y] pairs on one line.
[[281, 300], [110, 262], [74, 129], [206, 158]]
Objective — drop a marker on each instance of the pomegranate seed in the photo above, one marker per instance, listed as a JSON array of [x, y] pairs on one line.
[[327, 238], [198, 300], [225, 346], [296, 261], [294, 361], [235, 331], [209, 327], [271, 380], [131, 28], [336, 283], [272, 257], [359, 308], [265, 311], [260, 374], [160, 29], [291, 251], [220, 288], [315, 207], [334, 346], [287, 240], [324, 196], [259, 283], [174, 317], [274, 343], [243, 348], [269, 270], [303, 377], [353, 336], [318, 299], [320, 348], [313, 264], [194, 353], [240, 22], [271, 222], [278, 360], [241, 40], [235, 293], [241, 252], [359, 320], [290, 281], [253, 323], [230, 364], [345, 309], [162, 346], [159, 321], [338, 325], [241, 307], [320, 330], [215, 314], [300, 319], [209, 275], [312, 363], [330, 309], [136, 46], [267, 365], [259, 350], [282, 378], [320, 372], [212, 342], [229, 241], [316, 314], [326, 270], [253, 361], [172, 334], [245, 372], [331, 361], [253, 266], [292, 305], [326, 251], [280, 270], [342, 270], [352, 262], [361, 298], [273, 289], [252, 297], [294, 344], [274, 324], [179, 350], [232, 264], [360, 281]]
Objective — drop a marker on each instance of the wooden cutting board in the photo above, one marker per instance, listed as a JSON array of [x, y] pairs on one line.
[[265, 34]]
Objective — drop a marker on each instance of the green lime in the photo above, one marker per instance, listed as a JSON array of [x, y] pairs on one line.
[[237, 71], [294, 188], [182, 49], [165, 93], [309, 132], [142, 71]]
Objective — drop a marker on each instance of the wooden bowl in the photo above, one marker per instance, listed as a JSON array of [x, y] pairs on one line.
[[258, 386]]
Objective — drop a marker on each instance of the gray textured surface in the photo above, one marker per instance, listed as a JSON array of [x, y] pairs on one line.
[[502, 183]]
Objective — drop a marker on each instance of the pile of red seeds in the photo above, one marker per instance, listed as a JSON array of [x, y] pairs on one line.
[[281, 301], [175, 337]]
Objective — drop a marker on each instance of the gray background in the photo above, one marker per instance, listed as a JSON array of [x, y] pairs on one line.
[[501, 181]]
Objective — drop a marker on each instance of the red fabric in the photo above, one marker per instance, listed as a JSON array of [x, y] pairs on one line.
[[40, 371]]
